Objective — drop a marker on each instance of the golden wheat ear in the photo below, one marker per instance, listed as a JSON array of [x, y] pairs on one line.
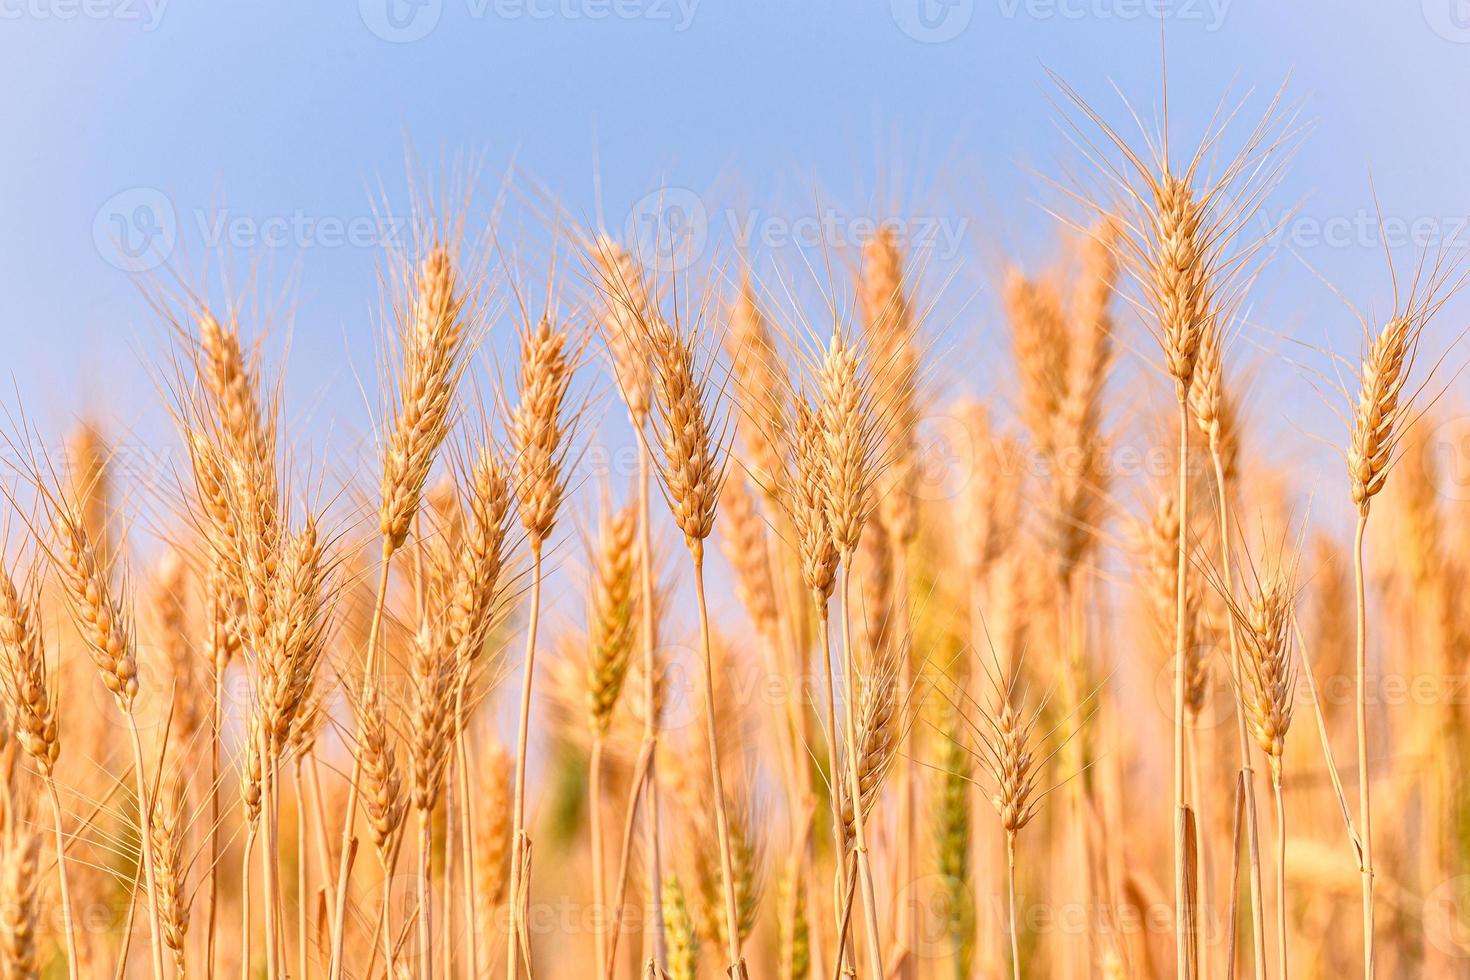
[[1187, 238]]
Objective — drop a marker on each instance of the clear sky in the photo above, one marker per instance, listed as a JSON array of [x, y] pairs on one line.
[[180, 124]]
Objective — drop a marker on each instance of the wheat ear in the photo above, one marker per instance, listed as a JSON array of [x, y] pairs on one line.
[[23, 674], [107, 633]]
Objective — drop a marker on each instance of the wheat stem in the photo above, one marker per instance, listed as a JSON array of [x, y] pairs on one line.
[[717, 786], [652, 843], [1258, 912], [302, 934], [860, 839], [344, 860], [1365, 793], [446, 921], [599, 885], [1181, 804], [467, 835], [215, 720], [1011, 903], [245, 901], [520, 843], [269, 867], [1280, 868], [145, 816], [426, 901], [67, 919], [839, 842]]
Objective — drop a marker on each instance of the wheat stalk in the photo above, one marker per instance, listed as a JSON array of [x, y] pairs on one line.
[[107, 634], [539, 442], [626, 327], [692, 471], [1270, 683], [1215, 414], [852, 434]]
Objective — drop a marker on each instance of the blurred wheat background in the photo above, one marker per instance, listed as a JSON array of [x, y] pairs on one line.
[[1050, 575]]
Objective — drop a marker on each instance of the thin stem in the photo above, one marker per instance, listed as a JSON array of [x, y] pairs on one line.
[[446, 921], [839, 839], [722, 820], [519, 841], [426, 899], [640, 770], [145, 821], [1181, 803], [599, 886], [301, 869], [268, 855], [859, 833], [1258, 910], [1011, 903], [61, 878], [652, 845], [906, 924], [245, 951], [1202, 880], [344, 860], [1365, 784], [385, 920], [216, 711], [467, 837], [1280, 868], [388, 861]]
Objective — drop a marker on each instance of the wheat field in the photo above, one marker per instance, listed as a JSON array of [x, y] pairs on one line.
[[788, 695]]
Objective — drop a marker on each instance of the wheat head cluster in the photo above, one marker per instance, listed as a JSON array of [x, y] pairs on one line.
[[483, 712]]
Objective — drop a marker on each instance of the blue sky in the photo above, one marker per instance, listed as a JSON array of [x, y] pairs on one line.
[[270, 118]]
